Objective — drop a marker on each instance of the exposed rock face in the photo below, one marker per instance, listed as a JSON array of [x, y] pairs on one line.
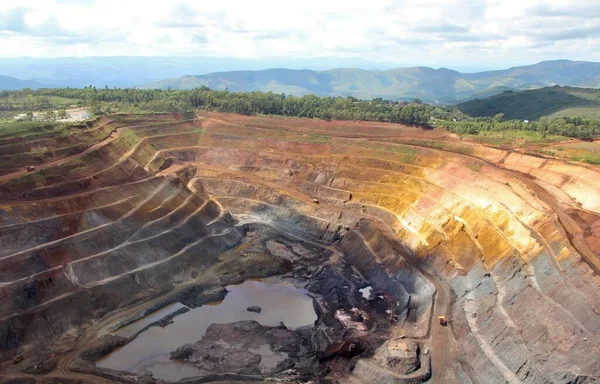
[[399, 356], [397, 361], [94, 248], [245, 347], [503, 244]]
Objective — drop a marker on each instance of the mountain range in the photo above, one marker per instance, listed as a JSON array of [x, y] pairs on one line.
[[373, 80], [431, 85], [131, 71], [10, 83]]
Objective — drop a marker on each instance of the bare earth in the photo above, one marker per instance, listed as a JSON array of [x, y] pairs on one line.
[[134, 213]]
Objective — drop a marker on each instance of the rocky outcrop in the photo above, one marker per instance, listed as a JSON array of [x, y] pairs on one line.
[[246, 348]]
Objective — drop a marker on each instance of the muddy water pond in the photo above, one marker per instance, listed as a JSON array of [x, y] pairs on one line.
[[137, 326], [149, 351]]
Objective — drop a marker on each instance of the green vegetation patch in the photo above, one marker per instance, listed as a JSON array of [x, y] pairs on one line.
[[586, 146], [408, 152], [29, 100], [402, 149], [536, 103], [427, 143], [590, 158], [126, 141], [54, 173], [129, 100], [515, 137], [501, 114], [545, 152], [321, 139], [10, 128], [475, 167]]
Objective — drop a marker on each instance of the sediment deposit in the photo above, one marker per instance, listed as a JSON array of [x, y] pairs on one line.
[[134, 213]]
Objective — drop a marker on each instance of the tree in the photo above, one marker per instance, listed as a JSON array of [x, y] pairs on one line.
[[63, 114], [50, 115], [96, 109], [29, 116], [106, 101]]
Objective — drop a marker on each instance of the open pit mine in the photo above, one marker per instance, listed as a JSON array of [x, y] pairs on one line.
[[207, 247]]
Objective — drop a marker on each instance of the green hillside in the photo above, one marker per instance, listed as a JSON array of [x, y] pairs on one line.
[[431, 85], [533, 104]]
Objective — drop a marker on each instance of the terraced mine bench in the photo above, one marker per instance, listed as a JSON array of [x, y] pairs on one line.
[[131, 216]]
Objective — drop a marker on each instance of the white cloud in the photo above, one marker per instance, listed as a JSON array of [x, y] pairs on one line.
[[428, 32]]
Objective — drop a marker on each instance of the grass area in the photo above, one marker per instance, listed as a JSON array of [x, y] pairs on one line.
[[590, 158], [546, 152], [427, 143], [41, 175], [121, 145], [586, 146], [475, 167], [515, 138], [582, 151], [26, 128], [39, 150], [319, 139], [408, 152], [126, 141], [402, 149]]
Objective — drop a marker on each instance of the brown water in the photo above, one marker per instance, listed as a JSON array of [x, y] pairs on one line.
[[149, 351], [133, 328]]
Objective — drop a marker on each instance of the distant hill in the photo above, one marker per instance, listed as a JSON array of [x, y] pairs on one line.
[[533, 104], [130, 71], [431, 85], [8, 83], [373, 80]]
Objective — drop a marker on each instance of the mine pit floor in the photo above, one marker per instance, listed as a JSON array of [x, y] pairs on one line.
[[274, 308], [280, 303]]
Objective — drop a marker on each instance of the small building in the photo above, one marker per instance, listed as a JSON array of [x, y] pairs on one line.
[[316, 201], [442, 320]]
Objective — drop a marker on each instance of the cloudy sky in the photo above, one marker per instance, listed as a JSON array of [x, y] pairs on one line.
[[459, 33]]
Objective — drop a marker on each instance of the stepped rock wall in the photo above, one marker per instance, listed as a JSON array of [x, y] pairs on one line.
[[502, 243]]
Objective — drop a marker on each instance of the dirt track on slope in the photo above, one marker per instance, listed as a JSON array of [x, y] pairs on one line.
[[108, 139]]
